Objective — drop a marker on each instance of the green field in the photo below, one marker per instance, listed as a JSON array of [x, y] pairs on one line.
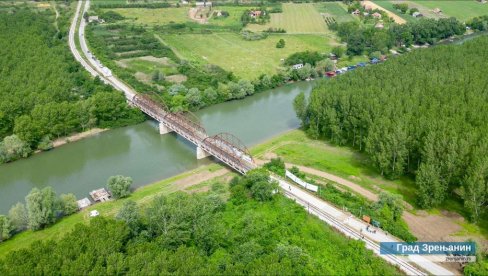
[[247, 59], [154, 16], [296, 19], [149, 65], [335, 10], [462, 10], [296, 148]]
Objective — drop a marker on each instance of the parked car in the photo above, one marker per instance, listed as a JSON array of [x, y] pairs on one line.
[[361, 64], [330, 74], [351, 67], [374, 60]]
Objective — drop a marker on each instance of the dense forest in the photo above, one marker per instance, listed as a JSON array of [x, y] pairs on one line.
[[424, 113], [254, 232], [44, 93]]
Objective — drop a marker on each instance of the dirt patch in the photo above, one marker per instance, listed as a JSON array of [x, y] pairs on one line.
[[270, 155], [142, 77], [199, 177], [176, 78], [428, 227], [395, 17], [75, 137], [163, 61]]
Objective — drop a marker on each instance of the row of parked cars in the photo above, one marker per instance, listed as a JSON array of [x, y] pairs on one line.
[[350, 68]]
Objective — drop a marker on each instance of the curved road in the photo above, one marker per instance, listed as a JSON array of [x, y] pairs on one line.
[[315, 206]]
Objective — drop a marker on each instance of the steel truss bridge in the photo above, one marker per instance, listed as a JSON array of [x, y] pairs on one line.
[[224, 146]]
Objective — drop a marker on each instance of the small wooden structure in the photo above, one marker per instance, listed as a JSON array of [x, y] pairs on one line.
[[100, 195], [83, 203], [366, 219]]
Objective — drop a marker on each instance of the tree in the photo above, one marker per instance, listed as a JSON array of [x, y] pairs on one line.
[[280, 44], [42, 207], [300, 106], [402, 7], [12, 148], [157, 76], [338, 51], [19, 217], [5, 228], [129, 213], [413, 10], [194, 98], [119, 186], [45, 143], [393, 201], [69, 204], [475, 187]]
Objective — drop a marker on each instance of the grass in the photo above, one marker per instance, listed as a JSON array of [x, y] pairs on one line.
[[234, 18], [149, 67], [247, 59], [154, 16], [462, 10], [142, 196], [295, 147], [296, 19], [335, 10]]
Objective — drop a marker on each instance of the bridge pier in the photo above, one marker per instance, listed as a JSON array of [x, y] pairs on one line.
[[201, 153], [164, 129]]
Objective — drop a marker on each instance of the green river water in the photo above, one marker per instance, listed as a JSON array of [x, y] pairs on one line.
[[140, 152]]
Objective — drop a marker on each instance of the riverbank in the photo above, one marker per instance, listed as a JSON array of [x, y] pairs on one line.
[[77, 136], [197, 180]]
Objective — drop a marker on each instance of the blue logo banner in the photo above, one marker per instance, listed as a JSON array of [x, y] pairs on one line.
[[428, 248]]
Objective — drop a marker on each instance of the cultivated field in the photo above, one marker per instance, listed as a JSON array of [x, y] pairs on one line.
[[247, 59], [335, 10], [154, 16], [296, 19], [462, 10]]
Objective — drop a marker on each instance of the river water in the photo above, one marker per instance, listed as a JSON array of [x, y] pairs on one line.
[[140, 152]]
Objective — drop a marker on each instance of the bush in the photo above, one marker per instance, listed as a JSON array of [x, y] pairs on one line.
[[276, 165], [119, 186], [280, 44]]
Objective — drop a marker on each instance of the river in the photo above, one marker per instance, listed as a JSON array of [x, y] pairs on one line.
[[140, 152]]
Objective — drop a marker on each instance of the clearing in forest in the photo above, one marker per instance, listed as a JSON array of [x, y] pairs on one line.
[[295, 19]]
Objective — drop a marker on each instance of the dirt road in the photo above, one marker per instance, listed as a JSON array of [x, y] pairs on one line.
[[395, 17]]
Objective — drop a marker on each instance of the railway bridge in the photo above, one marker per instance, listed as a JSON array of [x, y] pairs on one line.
[[223, 146]]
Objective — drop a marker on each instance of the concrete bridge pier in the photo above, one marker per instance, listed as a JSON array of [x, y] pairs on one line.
[[164, 129], [201, 153]]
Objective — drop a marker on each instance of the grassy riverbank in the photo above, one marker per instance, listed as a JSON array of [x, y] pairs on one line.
[[199, 179]]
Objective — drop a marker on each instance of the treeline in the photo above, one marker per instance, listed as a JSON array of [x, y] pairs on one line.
[[424, 113], [255, 232], [370, 39], [44, 93]]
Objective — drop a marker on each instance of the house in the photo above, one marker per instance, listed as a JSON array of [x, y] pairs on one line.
[[437, 11], [376, 15], [379, 25], [83, 203], [356, 12], [95, 18], [297, 66], [255, 14], [203, 4], [101, 195], [94, 213], [417, 14]]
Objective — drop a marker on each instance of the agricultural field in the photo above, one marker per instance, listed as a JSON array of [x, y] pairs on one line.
[[296, 19], [247, 59], [462, 10], [153, 16], [338, 11]]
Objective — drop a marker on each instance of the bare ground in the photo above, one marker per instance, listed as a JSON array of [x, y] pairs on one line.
[[395, 17], [78, 136]]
